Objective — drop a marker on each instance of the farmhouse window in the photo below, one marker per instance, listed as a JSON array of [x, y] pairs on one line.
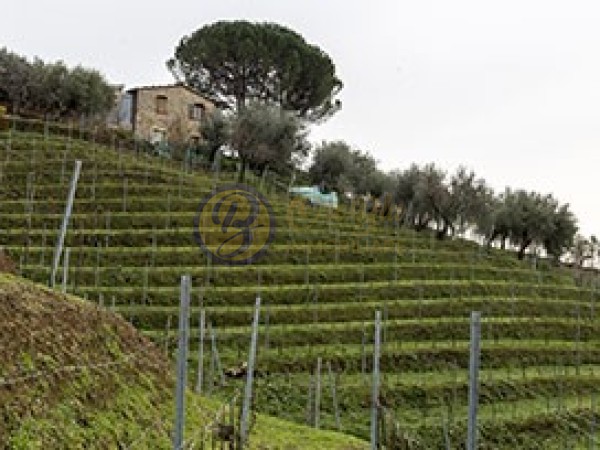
[[196, 111], [161, 104], [158, 135]]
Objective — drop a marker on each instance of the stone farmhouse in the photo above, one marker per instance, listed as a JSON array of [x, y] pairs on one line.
[[161, 113]]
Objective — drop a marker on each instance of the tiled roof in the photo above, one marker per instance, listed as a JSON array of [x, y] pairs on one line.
[[165, 86]]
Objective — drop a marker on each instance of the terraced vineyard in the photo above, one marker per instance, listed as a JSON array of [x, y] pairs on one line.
[[324, 276]]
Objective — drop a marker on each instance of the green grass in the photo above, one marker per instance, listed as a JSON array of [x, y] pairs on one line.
[[322, 278], [68, 397]]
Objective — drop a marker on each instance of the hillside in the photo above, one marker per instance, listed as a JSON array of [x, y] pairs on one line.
[[71, 373], [77, 376], [321, 281]]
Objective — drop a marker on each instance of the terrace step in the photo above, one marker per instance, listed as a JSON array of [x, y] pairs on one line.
[[155, 317], [218, 276], [433, 331], [412, 356], [331, 292]]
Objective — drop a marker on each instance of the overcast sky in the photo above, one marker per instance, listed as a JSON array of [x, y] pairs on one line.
[[511, 89]]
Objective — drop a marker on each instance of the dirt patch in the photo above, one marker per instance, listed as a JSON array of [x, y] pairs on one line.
[[7, 265]]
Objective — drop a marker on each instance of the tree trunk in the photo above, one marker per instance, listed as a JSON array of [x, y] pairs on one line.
[[242, 175], [522, 248], [240, 97], [421, 223], [213, 154], [441, 233], [491, 239]]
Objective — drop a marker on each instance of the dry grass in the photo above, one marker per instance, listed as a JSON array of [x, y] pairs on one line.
[[7, 265]]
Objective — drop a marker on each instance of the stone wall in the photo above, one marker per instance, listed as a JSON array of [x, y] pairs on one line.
[[176, 123]]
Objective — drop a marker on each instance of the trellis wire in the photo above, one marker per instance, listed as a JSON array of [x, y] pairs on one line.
[[167, 335], [363, 351], [215, 353], [336, 411], [309, 401], [107, 229], [125, 185], [63, 369]]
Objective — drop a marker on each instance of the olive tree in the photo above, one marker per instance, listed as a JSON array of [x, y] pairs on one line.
[[215, 130], [264, 136], [52, 89]]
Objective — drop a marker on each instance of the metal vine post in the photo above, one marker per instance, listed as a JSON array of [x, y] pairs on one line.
[[65, 223]]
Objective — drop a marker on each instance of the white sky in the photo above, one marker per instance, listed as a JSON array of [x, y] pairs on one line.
[[511, 89]]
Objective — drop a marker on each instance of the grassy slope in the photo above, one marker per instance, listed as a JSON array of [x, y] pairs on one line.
[[74, 375], [322, 279]]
